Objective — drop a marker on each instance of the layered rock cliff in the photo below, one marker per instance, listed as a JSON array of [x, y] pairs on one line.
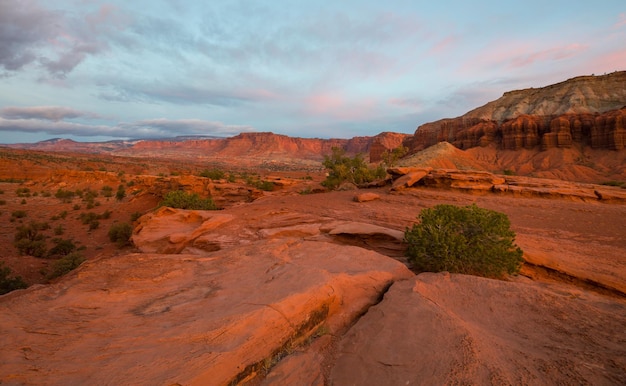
[[590, 110]]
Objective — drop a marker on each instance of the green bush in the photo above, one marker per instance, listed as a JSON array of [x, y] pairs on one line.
[[19, 214], [121, 193], [61, 248], [8, 283], [182, 200], [107, 191], [391, 157], [469, 240], [64, 195], [214, 174], [30, 241], [342, 168], [66, 264], [120, 233]]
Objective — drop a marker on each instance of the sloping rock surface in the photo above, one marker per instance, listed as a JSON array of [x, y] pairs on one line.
[[456, 329], [148, 319]]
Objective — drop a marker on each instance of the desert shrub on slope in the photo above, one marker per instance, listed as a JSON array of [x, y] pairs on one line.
[[120, 233], [469, 240], [9, 283], [183, 200]]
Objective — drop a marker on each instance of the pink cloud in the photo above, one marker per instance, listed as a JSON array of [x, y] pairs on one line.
[[443, 45], [621, 22], [336, 106], [324, 103], [549, 54]]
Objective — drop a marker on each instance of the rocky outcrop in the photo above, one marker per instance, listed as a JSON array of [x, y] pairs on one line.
[[480, 182], [456, 329], [151, 319], [169, 230], [588, 110]]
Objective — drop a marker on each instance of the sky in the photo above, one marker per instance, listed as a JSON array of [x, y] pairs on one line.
[[93, 70]]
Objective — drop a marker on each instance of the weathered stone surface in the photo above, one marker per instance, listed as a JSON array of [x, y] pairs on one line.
[[169, 230], [363, 229], [365, 197], [587, 260], [454, 329], [409, 179], [149, 319], [399, 171], [461, 179]]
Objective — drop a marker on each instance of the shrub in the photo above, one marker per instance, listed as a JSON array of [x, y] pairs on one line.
[[121, 193], [22, 192], [120, 233], [135, 216], [61, 247], [342, 168], [508, 172], [182, 200], [8, 283], [267, 186], [469, 240], [214, 174], [30, 241], [107, 191], [66, 264], [59, 230], [390, 157], [19, 214], [64, 195], [36, 248]]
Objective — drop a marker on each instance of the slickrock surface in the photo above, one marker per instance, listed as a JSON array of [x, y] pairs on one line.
[[148, 319], [456, 329]]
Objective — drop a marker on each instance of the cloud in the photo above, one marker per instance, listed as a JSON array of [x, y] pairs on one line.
[[621, 22], [413, 102], [52, 113], [183, 94], [153, 128], [172, 127], [549, 54], [56, 41], [24, 28]]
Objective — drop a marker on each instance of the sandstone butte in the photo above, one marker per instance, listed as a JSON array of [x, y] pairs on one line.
[[587, 110]]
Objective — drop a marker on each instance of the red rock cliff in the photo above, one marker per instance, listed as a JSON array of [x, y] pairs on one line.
[[589, 109]]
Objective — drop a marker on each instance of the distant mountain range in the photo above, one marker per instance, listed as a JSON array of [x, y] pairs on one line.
[[582, 112]]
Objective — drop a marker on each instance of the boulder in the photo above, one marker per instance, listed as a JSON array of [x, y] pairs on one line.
[[170, 230], [365, 197], [147, 319]]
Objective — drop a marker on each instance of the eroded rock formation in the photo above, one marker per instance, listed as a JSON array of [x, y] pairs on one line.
[[589, 110]]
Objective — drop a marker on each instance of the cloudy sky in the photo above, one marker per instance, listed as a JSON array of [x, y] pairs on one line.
[[96, 70]]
